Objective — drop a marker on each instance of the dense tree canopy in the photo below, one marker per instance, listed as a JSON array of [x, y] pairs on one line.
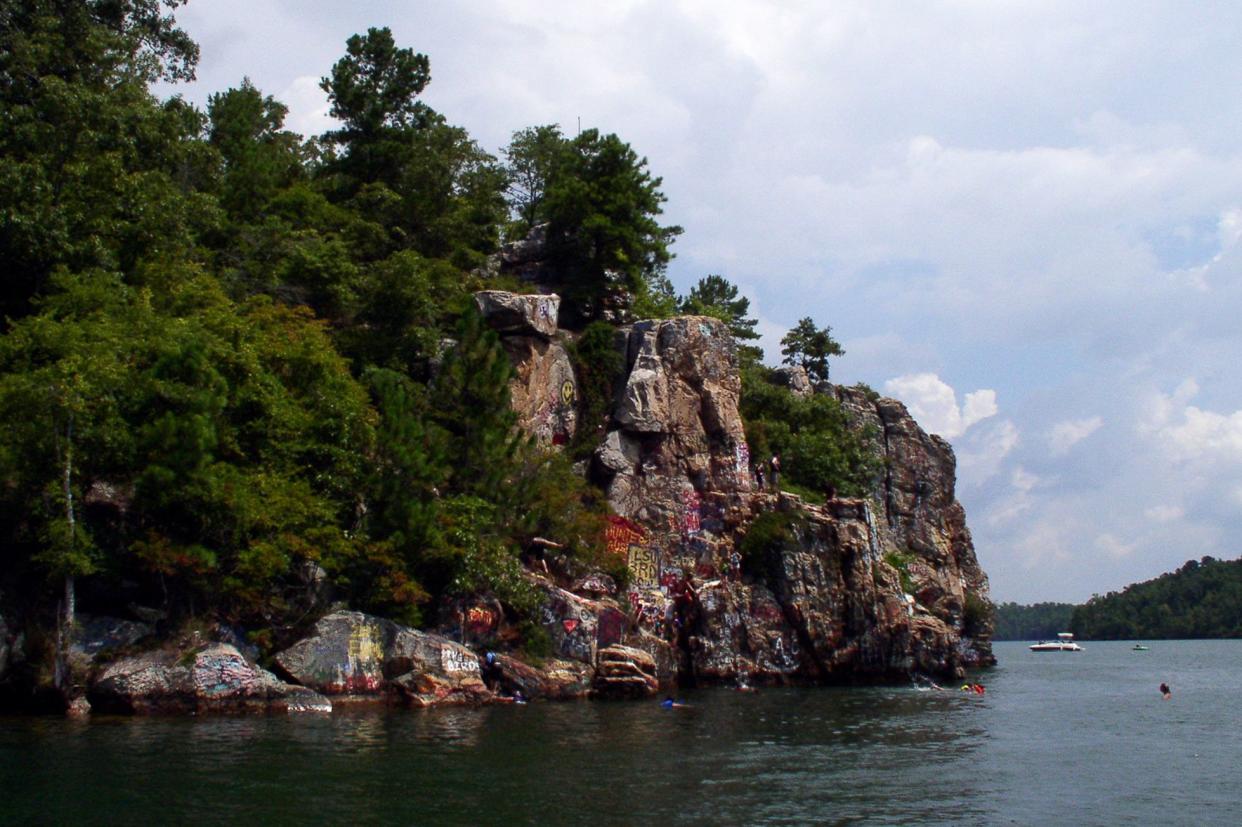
[[1040, 621], [601, 206], [1202, 599], [230, 354]]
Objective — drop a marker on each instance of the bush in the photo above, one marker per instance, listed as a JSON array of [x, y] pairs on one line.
[[977, 614], [772, 531], [598, 364]]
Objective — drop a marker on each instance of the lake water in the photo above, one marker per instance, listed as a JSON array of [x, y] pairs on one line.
[[1059, 738]]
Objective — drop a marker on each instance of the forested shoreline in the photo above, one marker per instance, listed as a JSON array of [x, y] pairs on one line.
[[1202, 599], [239, 366]]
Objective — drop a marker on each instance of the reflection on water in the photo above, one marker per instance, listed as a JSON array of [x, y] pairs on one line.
[[777, 756], [1092, 725]]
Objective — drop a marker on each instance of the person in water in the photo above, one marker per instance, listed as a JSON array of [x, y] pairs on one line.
[[669, 703], [1165, 692]]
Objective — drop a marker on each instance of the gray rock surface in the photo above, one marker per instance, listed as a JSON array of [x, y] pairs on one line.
[[354, 654], [823, 605], [212, 678], [518, 313]]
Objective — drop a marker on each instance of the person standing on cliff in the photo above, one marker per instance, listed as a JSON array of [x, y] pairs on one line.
[[759, 475], [775, 476]]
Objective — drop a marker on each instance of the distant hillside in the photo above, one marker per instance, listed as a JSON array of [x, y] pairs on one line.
[[1035, 622], [1202, 599]]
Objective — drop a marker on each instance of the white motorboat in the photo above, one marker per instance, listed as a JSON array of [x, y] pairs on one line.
[[1063, 643]]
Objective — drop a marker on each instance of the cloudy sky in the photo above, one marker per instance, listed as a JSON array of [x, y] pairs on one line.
[[1020, 218]]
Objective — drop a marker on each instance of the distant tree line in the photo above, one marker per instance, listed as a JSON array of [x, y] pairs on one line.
[[1202, 599], [1039, 621]]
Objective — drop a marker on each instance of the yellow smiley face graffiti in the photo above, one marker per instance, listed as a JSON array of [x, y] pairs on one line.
[[567, 393]]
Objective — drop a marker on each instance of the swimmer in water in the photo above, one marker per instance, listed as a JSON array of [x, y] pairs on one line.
[[1165, 692], [669, 703]]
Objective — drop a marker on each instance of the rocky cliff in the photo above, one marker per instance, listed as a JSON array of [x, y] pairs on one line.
[[725, 582], [883, 587]]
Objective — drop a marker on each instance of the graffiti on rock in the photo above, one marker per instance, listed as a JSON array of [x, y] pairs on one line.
[[741, 465], [621, 534], [456, 660], [644, 567], [691, 518], [361, 671], [481, 622]]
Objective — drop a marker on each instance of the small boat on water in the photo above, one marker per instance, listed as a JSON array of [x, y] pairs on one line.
[[1063, 643], [1138, 647]]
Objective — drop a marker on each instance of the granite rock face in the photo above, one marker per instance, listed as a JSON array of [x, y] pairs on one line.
[[555, 679], [214, 678], [922, 516], [675, 432], [544, 388], [827, 603], [518, 313], [357, 656]]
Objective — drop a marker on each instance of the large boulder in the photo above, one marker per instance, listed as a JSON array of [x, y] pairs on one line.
[[624, 672], [793, 378], [213, 678], [517, 313], [544, 388], [554, 679], [358, 656]]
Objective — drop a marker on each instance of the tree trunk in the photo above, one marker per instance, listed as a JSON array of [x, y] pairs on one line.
[[64, 632]]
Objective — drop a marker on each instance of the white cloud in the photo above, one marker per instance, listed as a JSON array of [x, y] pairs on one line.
[[1164, 513], [980, 456], [933, 403], [1070, 432], [1020, 499], [1113, 547], [1186, 432], [308, 107]]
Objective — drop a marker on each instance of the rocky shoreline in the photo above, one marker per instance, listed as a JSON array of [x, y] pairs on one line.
[[728, 582]]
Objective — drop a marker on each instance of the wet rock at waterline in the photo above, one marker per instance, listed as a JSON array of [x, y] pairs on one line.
[[213, 678]]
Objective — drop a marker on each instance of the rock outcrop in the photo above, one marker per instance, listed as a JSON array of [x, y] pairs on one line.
[[544, 389], [354, 656], [212, 678], [624, 672], [875, 588]]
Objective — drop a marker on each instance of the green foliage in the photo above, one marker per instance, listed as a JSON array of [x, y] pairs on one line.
[[978, 614], [901, 561], [717, 297], [237, 429], [531, 159], [373, 89], [601, 206], [598, 364], [94, 173], [771, 533], [1202, 599], [1039, 621], [818, 447], [808, 346], [259, 157]]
